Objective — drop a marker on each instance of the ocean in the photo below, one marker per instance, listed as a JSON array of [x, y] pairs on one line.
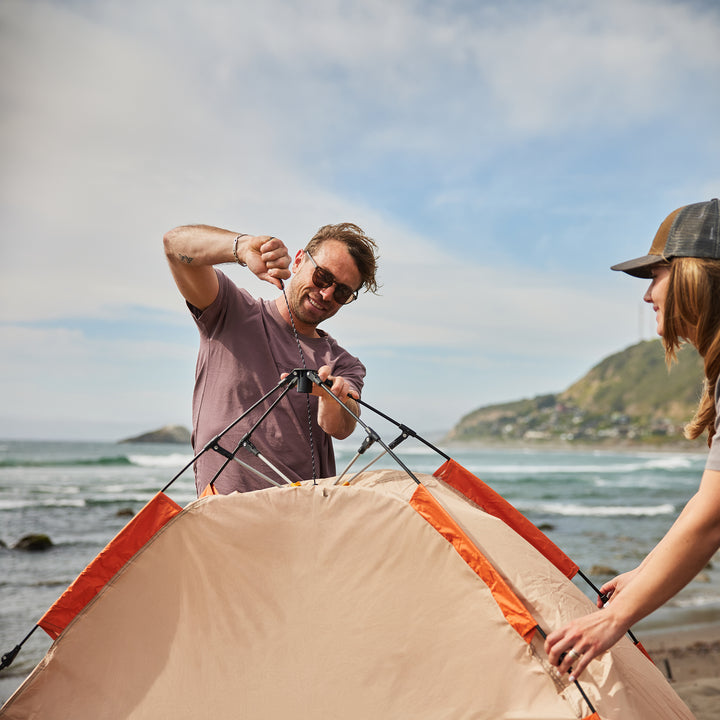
[[605, 509]]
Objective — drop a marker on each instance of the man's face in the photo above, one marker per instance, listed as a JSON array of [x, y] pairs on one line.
[[312, 305]]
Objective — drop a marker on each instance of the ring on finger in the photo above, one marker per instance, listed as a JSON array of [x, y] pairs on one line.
[[574, 653]]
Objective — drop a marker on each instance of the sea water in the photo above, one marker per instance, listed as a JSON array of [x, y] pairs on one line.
[[604, 509]]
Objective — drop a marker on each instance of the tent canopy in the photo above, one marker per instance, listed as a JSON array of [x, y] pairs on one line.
[[382, 599]]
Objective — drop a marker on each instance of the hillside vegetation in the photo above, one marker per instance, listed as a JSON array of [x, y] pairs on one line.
[[628, 397]]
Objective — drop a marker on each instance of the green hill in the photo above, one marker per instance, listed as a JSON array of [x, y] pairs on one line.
[[628, 397]]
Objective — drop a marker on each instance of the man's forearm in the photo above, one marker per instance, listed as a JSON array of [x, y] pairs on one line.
[[192, 250], [203, 245], [335, 420]]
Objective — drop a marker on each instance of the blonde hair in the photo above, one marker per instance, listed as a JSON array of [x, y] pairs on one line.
[[692, 313]]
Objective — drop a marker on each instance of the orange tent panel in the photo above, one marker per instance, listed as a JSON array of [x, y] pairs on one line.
[[494, 504], [118, 551], [514, 611]]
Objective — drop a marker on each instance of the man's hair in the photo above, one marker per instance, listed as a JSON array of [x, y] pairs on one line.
[[692, 312], [362, 249]]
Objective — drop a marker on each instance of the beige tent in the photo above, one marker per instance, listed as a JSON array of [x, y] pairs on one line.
[[380, 599]]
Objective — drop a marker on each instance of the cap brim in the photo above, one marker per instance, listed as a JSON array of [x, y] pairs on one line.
[[640, 267]]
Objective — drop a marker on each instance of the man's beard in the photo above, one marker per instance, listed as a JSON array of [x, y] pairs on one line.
[[295, 300]]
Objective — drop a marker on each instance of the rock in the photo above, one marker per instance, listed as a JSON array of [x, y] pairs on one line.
[[125, 512], [603, 570], [34, 543], [168, 434]]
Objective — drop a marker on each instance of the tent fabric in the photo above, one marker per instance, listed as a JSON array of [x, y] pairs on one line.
[[513, 610], [317, 601], [491, 502], [118, 551]]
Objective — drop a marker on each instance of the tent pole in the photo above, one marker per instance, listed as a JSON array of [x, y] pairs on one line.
[[406, 430], [290, 380], [325, 385], [7, 659]]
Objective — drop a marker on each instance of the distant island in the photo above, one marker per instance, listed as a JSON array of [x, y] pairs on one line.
[[628, 398], [168, 434]]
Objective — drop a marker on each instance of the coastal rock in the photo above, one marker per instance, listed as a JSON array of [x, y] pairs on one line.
[[168, 434], [603, 570], [35, 542]]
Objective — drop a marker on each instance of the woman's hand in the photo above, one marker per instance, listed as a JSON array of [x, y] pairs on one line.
[[613, 587], [573, 647]]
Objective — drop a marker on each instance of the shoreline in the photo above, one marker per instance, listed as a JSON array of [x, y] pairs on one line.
[[689, 658], [695, 447]]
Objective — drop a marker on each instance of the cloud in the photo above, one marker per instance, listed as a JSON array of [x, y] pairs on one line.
[[565, 67], [503, 155], [56, 379]]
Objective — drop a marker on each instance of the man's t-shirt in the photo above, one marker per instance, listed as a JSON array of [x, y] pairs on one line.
[[245, 345]]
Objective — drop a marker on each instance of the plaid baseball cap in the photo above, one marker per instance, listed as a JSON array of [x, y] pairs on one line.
[[689, 231]]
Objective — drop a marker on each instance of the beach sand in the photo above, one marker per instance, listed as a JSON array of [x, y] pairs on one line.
[[690, 659]]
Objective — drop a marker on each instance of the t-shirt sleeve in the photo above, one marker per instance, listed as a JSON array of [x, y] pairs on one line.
[[713, 459], [349, 367], [229, 299]]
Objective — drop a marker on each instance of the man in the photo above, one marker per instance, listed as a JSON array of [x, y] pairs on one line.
[[248, 344]]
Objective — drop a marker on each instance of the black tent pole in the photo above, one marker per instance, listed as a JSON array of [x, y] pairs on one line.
[[404, 428], [8, 657], [325, 385], [290, 380]]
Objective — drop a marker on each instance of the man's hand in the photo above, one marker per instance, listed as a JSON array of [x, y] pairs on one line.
[[339, 386], [266, 257], [332, 418]]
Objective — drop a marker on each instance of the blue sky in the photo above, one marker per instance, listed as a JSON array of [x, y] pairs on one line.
[[503, 155]]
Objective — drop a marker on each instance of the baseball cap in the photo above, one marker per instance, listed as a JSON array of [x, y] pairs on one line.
[[689, 231]]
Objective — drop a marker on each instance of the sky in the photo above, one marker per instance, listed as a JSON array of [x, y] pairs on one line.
[[502, 154]]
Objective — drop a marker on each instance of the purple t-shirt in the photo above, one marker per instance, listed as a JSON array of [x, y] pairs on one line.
[[245, 345]]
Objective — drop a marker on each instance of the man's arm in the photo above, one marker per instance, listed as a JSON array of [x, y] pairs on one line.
[[332, 418], [192, 250]]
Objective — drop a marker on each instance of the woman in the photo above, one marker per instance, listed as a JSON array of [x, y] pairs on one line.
[[684, 265]]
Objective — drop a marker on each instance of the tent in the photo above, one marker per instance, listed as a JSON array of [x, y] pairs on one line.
[[388, 596]]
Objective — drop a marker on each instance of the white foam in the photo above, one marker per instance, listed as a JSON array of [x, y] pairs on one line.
[[574, 510], [162, 461], [8, 504]]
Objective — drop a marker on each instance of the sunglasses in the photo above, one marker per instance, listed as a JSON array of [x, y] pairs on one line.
[[322, 278]]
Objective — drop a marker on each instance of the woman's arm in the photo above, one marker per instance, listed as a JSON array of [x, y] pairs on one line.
[[685, 550]]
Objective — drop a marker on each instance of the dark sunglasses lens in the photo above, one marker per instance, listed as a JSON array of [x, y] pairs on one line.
[[342, 294], [322, 278]]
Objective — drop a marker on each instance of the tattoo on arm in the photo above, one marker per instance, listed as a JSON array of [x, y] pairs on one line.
[[185, 258]]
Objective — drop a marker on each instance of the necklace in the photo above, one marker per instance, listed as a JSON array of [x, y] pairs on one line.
[[307, 396]]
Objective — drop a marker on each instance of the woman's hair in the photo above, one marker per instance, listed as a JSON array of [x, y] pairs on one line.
[[362, 249], [692, 312]]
